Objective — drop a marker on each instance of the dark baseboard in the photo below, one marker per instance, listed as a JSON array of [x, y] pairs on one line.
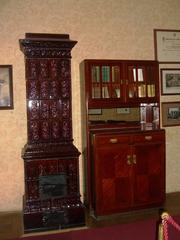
[[11, 225]]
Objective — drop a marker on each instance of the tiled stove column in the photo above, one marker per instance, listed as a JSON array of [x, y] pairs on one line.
[[51, 161]]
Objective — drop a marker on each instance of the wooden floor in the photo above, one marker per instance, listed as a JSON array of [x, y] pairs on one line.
[[171, 205]]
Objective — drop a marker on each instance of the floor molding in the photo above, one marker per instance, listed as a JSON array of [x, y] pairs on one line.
[[11, 225]]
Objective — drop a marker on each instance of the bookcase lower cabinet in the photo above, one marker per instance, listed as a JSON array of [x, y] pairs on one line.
[[128, 170]]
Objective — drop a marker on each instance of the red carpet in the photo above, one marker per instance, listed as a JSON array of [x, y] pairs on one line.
[[141, 230]]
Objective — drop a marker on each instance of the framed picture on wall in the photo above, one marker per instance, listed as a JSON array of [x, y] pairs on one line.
[[170, 114], [167, 45], [6, 87], [170, 81]]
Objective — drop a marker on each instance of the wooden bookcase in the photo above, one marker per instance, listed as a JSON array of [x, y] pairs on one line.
[[124, 154]]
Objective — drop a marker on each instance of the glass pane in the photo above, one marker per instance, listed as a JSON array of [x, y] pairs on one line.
[[117, 92], [112, 114], [115, 74], [134, 74], [140, 74], [131, 74], [142, 90], [96, 91], [132, 91], [150, 74], [105, 91], [151, 90]]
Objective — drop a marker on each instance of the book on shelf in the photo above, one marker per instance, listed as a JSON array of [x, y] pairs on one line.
[[142, 90], [105, 92], [118, 92], [95, 72], [140, 75], [96, 92], [134, 74], [151, 90], [132, 91], [105, 73]]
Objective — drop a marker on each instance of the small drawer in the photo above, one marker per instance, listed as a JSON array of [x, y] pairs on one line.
[[149, 137], [110, 139]]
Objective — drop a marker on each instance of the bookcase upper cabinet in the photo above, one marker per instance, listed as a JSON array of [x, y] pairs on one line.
[[120, 83]]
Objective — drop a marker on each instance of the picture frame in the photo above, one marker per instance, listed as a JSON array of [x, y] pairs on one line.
[[170, 114], [167, 45], [6, 87], [170, 81]]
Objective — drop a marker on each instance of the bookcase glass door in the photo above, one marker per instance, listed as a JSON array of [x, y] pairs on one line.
[[127, 82], [151, 88], [140, 82], [105, 82], [116, 82]]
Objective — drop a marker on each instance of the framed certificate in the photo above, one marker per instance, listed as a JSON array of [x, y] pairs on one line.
[[167, 45]]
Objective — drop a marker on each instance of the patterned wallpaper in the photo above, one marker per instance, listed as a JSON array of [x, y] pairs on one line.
[[104, 29]]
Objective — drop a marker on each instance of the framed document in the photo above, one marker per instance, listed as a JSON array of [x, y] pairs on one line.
[[6, 87], [167, 45]]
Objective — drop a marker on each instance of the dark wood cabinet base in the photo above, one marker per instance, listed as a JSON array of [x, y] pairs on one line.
[[129, 171], [54, 220]]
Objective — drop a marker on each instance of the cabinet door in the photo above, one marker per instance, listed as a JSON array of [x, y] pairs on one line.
[[149, 173], [113, 83], [104, 84], [112, 176], [142, 82]]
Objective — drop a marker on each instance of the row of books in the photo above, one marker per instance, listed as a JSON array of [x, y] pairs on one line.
[[142, 90], [96, 92], [150, 90], [136, 74], [105, 72], [116, 92]]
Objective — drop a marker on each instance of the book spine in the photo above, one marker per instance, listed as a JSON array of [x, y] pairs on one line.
[[105, 74], [95, 74]]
